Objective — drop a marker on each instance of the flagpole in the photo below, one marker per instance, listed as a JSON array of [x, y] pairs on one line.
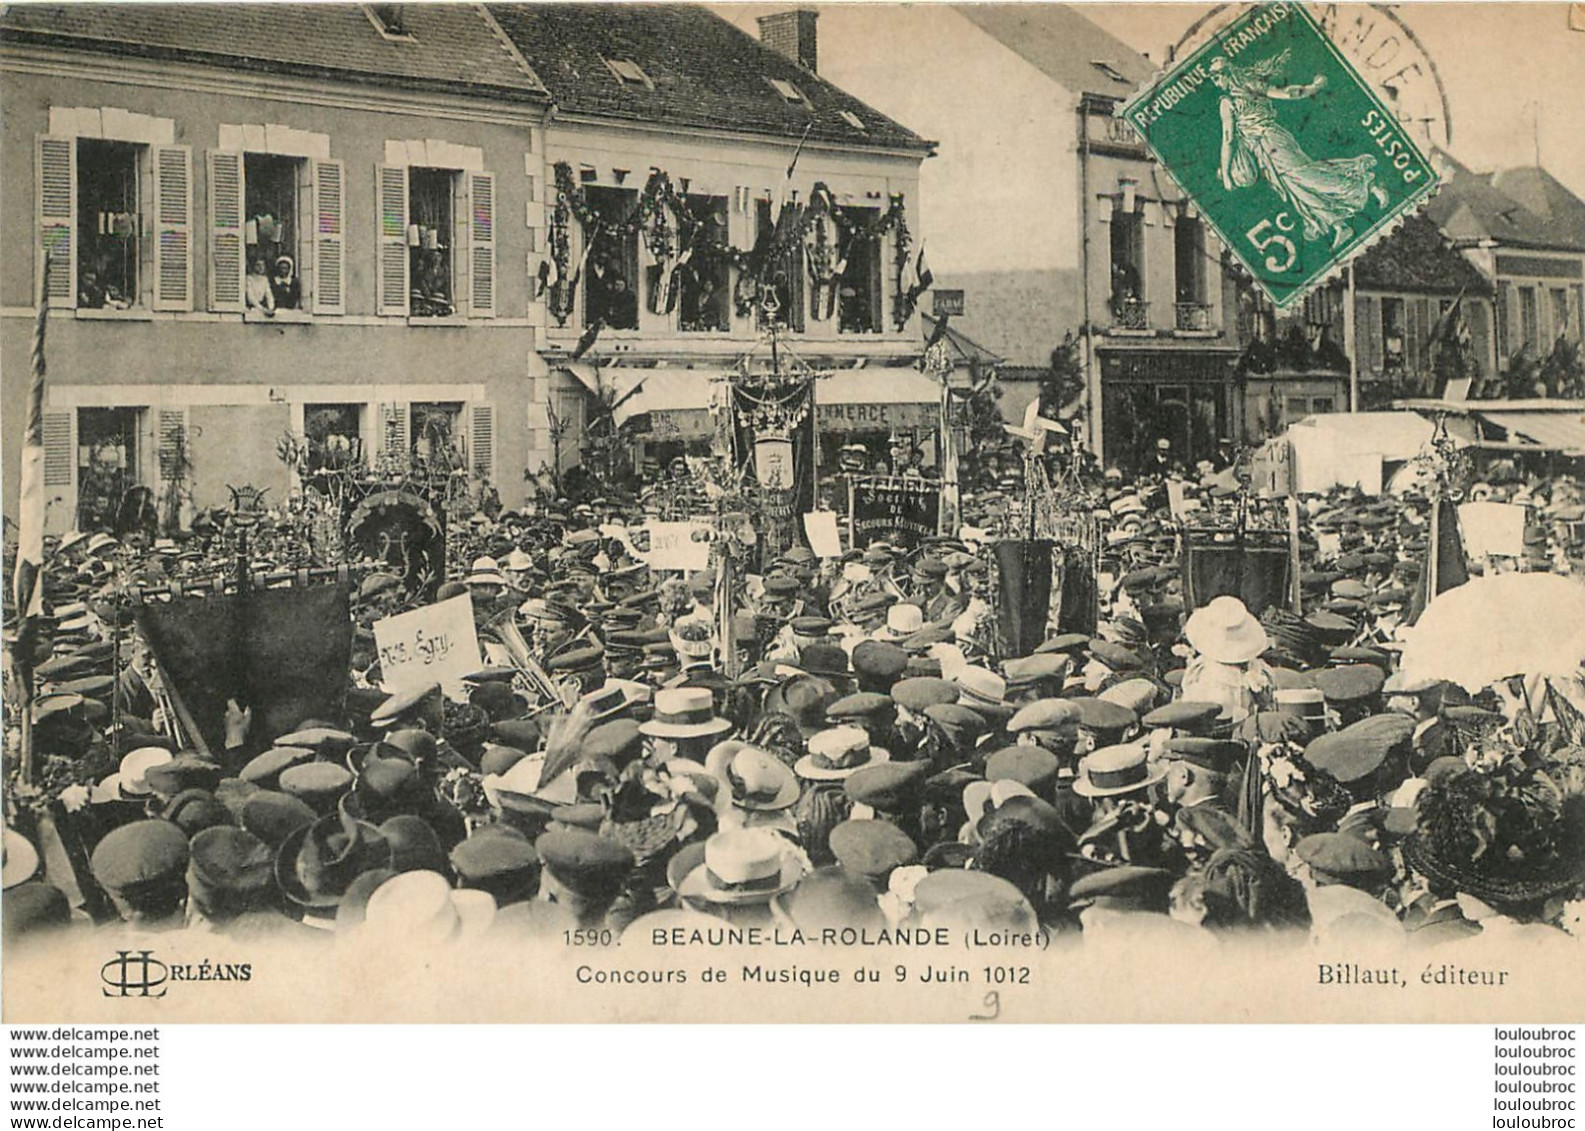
[[30, 538]]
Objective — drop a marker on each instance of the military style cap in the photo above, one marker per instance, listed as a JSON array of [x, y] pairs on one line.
[[184, 772], [872, 848], [1338, 858], [319, 784], [1218, 755], [861, 705], [140, 855], [963, 726], [1044, 714], [919, 692], [1103, 716], [1023, 671], [1071, 643], [1184, 714], [272, 817], [415, 847], [498, 861], [1033, 766], [1351, 683], [584, 862], [194, 810], [887, 786], [1130, 882], [229, 862], [878, 660], [1115, 656]]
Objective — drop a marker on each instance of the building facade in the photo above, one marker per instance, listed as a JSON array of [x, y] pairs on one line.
[[265, 223]]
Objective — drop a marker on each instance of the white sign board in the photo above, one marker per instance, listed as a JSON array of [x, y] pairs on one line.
[[435, 644], [1492, 528], [824, 538], [672, 545]]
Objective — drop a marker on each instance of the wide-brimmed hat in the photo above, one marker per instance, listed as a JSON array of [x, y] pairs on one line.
[[316, 863], [421, 906], [1114, 770], [1225, 631], [21, 860], [743, 866], [837, 753], [685, 712], [902, 621], [130, 782], [756, 780]]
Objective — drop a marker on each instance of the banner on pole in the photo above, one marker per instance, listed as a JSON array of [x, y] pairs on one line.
[[895, 509]]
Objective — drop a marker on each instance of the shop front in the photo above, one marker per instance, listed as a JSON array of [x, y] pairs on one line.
[[1186, 397]]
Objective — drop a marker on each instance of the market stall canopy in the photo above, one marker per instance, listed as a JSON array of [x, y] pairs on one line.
[[1536, 424], [677, 401], [1347, 449]]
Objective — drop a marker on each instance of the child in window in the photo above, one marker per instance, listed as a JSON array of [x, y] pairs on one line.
[[259, 294], [284, 284]]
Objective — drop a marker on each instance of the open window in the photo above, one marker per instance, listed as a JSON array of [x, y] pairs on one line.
[[1128, 269], [109, 451], [334, 433], [610, 271], [1188, 240], [109, 224], [705, 303], [431, 242], [1393, 352], [859, 287], [783, 270], [436, 438]]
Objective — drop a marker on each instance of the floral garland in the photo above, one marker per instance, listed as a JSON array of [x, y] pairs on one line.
[[659, 196]]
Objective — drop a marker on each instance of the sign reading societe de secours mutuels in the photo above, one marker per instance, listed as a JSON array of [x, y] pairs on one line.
[[1286, 152]]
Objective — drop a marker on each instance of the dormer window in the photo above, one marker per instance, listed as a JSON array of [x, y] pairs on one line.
[[389, 20], [629, 73], [1108, 70], [853, 120], [788, 91]]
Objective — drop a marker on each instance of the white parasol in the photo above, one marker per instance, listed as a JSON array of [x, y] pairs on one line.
[[1498, 626]]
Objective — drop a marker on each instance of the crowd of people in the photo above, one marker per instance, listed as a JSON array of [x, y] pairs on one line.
[[849, 744]]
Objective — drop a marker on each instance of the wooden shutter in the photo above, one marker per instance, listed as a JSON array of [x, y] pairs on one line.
[[1368, 334], [391, 276], [228, 252], [173, 227], [330, 221], [482, 441], [481, 245], [60, 470], [393, 429], [55, 197], [174, 444]]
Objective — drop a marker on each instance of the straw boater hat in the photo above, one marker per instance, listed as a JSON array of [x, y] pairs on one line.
[[485, 571], [837, 753], [1225, 631], [685, 712], [742, 866], [130, 782], [1114, 770]]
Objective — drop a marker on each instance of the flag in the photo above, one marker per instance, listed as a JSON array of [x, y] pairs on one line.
[[27, 593], [793, 164], [1444, 567], [586, 342], [938, 333]]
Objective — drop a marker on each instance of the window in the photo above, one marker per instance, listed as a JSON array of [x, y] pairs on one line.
[[1128, 246], [854, 120], [108, 451], [335, 435], [431, 250], [1392, 335], [629, 73], [610, 294], [784, 273], [1577, 321], [1323, 404], [787, 90], [1188, 240], [1504, 344], [435, 434], [1529, 317], [109, 224], [271, 230], [1560, 318], [859, 287], [705, 302]]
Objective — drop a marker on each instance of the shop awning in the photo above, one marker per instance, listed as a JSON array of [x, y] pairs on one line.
[[677, 401], [1551, 431]]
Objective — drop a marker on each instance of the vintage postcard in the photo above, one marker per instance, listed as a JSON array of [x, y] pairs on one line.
[[864, 513]]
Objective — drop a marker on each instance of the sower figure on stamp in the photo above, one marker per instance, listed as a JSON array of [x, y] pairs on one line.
[[1327, 193]]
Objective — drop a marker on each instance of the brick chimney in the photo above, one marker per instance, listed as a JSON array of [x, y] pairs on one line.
[[793, 35]]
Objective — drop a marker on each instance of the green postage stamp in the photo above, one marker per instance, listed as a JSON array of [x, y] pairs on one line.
[[1284, 149]]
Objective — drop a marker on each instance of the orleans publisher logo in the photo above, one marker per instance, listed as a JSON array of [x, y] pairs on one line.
[[137, 973], [134, 973]]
